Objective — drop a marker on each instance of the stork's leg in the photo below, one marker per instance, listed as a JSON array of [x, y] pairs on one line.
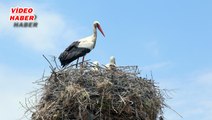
[[83, 58], [77, 62]]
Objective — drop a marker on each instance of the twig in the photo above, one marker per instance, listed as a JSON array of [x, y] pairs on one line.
[[151, 76], [173, 110], [54, 59], [51, 67]]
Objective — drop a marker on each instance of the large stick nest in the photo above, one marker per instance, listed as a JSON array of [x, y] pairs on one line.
[[98, 94]]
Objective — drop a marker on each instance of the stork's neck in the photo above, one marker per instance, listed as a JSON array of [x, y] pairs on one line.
[[94, 33]]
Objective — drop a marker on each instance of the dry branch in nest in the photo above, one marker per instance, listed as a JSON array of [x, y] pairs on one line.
[[88, 94]]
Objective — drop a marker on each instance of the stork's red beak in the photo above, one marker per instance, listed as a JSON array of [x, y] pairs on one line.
[[100, 29]]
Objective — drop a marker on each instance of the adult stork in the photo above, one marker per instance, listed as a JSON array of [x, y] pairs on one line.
[[81, 47]]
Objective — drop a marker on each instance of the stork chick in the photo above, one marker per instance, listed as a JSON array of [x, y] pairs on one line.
[[95, 66], [112, 64]]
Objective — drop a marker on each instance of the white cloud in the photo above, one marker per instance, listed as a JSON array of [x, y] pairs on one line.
[[4, 21], [52, 28], [14, 86], [16, 83]]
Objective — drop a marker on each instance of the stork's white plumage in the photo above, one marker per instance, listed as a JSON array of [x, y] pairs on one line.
[[81, 47], [112, 63], [95, 66]]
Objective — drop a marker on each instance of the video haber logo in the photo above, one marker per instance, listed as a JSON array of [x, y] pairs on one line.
[[23, 17]]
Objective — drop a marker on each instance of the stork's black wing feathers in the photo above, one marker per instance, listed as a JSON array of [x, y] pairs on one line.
[[71, 53], [74, 44], [64, 54]]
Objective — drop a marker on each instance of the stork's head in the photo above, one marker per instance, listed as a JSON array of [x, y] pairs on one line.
[[95, 66], [96, 63], [97, 25], [112, 60]]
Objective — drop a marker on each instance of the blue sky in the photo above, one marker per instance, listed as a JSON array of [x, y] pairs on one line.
[[170, 38]]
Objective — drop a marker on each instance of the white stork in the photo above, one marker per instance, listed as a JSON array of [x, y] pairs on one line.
[[81, 47], [112, 63], [95, 66]]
